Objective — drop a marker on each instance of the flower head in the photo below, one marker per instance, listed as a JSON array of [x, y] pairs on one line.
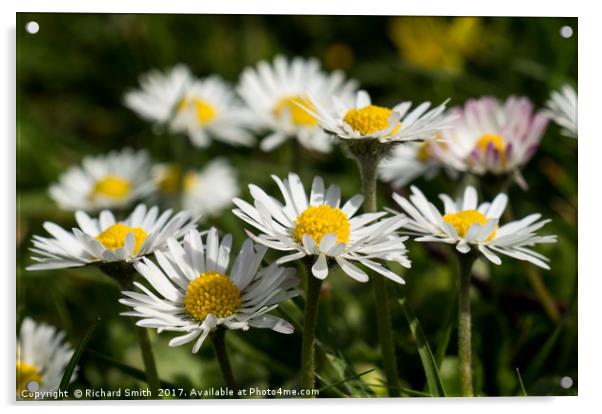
[[318, 226], [106, 240], [492, 137], [277, 93], [42, 356], [114, 180], [467, 224], [210, 190], [209, 109], [198, 291], [159, 93], [365, 121], [408, 162], [562, 108]]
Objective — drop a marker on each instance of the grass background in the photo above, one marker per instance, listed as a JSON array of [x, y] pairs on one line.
[[70, 80]]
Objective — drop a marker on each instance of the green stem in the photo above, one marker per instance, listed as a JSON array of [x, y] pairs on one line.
[[218, 339], [150, 368], [368, 168], [465, 262], [309, 331], [124, 273]]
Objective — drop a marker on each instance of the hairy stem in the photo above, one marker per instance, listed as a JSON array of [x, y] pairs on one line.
[[465, 262], [218, 339], [368, 169], [309, 331]]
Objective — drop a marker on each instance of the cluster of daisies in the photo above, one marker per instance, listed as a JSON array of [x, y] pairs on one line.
[[188, 279]]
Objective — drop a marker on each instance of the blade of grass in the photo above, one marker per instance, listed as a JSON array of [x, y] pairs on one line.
[[343, 381], [429, 364], [66, 380], [126, 369], [409, 391], [520, 383]]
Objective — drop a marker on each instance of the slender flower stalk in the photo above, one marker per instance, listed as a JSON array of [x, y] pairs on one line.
[[310, 319], [148, 357], [465, 263], [124, 273], [368, 169], [218, 339]]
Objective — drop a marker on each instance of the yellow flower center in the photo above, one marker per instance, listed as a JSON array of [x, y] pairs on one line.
[[496, 140], [114, 237], [369, 119], [317, 221], [423, 154], [205, 112], [462, 220], [168, 180], [26, 373], [298, 116], [211, 293], [191, 180], [112, 187]]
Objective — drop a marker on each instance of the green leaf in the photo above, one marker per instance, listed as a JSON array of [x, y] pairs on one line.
[[66, 380], [429, 364]]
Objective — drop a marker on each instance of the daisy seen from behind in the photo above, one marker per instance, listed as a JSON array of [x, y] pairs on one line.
[[42, 356], [108, 240], [114, 180], [273, 91], [562, 108], [198, 292], [319, 228]]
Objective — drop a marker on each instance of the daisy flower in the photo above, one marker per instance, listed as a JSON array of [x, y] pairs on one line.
[[205, 192], [159, 93], [209, 109], [42, 356], [106, 240], [409, 162], [274, 91], [363, 120], [493, 137], [208, 191], [318, 226], [562, 108], [467, 224], [198, 291], [114, 180]]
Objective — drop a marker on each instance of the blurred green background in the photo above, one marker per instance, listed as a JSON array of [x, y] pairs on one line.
[[71, 78]]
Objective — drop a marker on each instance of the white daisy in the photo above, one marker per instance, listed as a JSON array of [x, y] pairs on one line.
[[562, 108], [363, 120], [42, 356], [274, 91], [114, 180], [493, 137], [210, 190], [159, 93], [197, 291], [409, 162], [467, 224], [209, 109], [106, 240], [320, 227]]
